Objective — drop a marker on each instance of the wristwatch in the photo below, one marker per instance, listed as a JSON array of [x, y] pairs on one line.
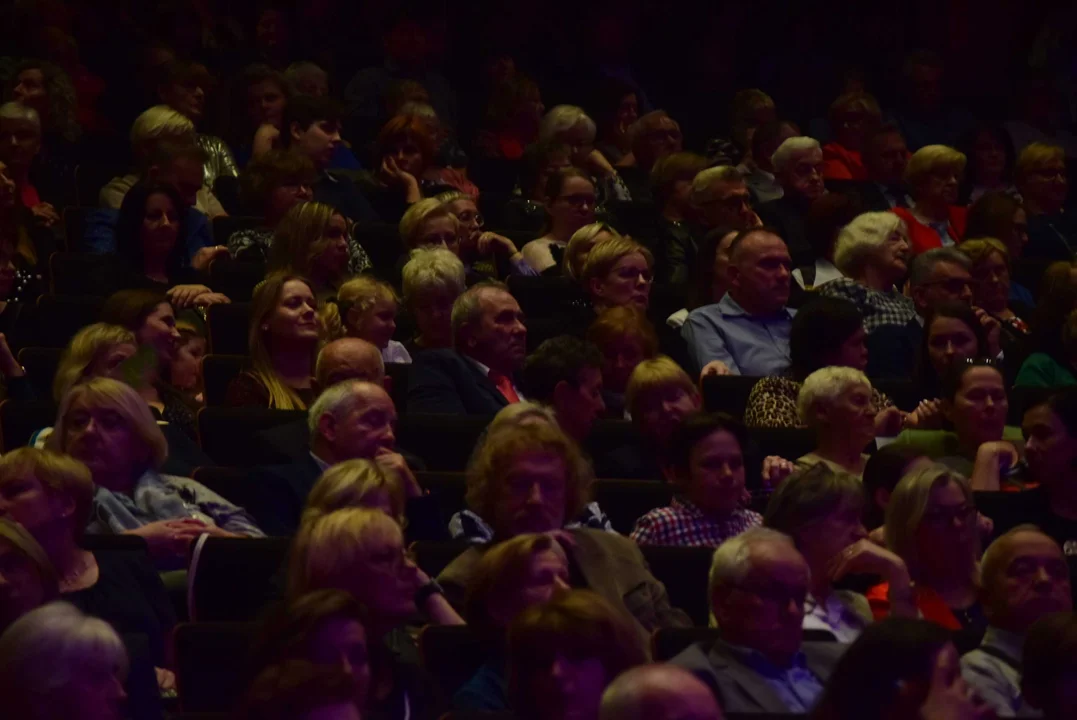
[[423, 593]]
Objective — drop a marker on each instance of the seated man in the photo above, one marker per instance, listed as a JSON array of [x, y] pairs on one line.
[[312, 126], [1024, 577], [798, 165], [658, 692], [885, 156], [476, 377], [566, 374], [1050, 662], [758, 584], [937, 276], [531, 479], [759, 166], [748, 330]]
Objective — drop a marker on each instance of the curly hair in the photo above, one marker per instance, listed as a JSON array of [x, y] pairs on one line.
[[62, 117]]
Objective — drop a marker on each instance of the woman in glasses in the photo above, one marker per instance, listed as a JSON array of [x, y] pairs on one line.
[[991, 272], [570, 204], [934, 175], [1040, 176], [478, 245]]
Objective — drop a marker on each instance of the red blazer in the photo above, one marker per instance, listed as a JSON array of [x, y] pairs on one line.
[[841, 163], [924, 237], [928, 602]]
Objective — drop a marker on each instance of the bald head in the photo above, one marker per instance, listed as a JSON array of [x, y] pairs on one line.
[[659, 692], [1025, 576], [349, 359], [759, 271]]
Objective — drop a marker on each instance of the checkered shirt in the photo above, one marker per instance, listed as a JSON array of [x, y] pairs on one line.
[[878, 308], [684, 524]]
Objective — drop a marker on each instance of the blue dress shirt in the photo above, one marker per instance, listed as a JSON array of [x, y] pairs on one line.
[[754, 345]]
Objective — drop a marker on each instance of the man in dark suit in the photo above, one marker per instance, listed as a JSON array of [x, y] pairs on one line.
[[798, 165], [477, 376], [757, 586], [885, 157]]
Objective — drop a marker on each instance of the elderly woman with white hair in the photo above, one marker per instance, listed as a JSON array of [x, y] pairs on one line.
[[836, 403], [432, 280], [798, 166], [105, 424], [873, 253], [933, 177], [571, 126]]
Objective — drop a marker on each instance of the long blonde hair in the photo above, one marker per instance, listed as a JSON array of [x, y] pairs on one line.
[[359, 294], [300, 237], [266, 297], [82, 352]]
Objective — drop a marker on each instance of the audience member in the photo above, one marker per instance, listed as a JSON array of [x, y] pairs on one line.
[[720, 198], [301, 690], [283, 340], [429, 223], [1001, 216], [658, 692], [758, 168], [365, 308], [570, 204], [1041, 179], [883, 471], [933, 177], [25, 247], [885, 158], [570, 125], [617, 109], [618, 272], [931, 525], [269, 186], [836, 402], [1049, 670], [925, 116], [952, 335], [511, 119], [483, 246], [709, 278], [751, 109], [659, 396], [20, 130], [259, 95], [1024, 577], [432, 280], [652, 137], [798, 164], [991, 162], [671, 188], [28, 577], [404, 153], [1054, 366], [476, 376], [994, 293], [758, 586], [527, 212], [47, 89], [315, 241], [825, 219], [625, 338], [706, 465], [581, 244], [747, 332], [851, 117], [565, 373], [562, 655]]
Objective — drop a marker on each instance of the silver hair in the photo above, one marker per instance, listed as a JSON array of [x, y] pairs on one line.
[[562, 119], [468, 307], [432, 268], [859, 241], [702, 182], [18, 111], [923, 265], [824, 385], [641, 692], [298, 71], [336, 400], [791, 149], [732, 560]]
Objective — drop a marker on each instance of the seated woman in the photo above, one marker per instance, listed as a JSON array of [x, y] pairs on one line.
[[404, 153], [527, 211], [578, 635], [991, 271], [151, 252], [933, 177], [835, 402], [658, 397], [51, 495], [430, 222], [902, 669], [625, 337], [361, 551], [364, 483], [25, 246], [931, 525], [1041, 178], [617, 106], [509, 578], [1001, 216], [1053, 369], [258, 97], [825, 219], [431, 280], [486, 247], [952, 334], [851, 117], [707, 469], [283, 341], [28, 573], [569, 125], [671, 186], [511, 119], [991, 159], [580, 245], [365, 308], [618, 272], [820, 509], [185, 373], [826, 332], [107, 426], [570, 204], [269, 186], [315, 241]]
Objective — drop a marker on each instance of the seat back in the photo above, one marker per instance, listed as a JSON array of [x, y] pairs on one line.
[[668, 643], [230, 435], [211, 664], [83, 273], [40, 364], [625, 501], [56, 319], [444, 442], [236, 278], [19, 421], [384, 247], [728, 393], [218, 372], [399, 375], [684, 572], [451, 654], [234, 579], [228, 325], [233, 484], [75, 227]]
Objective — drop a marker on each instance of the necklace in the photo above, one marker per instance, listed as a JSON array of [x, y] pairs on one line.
[[70, 579]]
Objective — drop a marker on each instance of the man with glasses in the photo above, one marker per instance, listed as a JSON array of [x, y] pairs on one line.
[[721, 199], [798, 166], [760, 664], [944, 275]]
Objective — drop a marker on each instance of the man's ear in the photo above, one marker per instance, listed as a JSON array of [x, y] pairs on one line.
[[562, 393], [295, 131], [327, 427]]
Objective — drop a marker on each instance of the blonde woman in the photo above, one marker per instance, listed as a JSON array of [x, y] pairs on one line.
[[618, 272], [357, 483], [430, 223], [95, 351], [283, 340], [1041, 178], [366, 308], [933, 176], [315, 241], [106, 425], [478, 244], [836, 402], [931, 524], [581, 244]]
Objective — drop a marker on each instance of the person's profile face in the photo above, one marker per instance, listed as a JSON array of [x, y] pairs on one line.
[[716, 474], [663, 409], [342, 641], [664, 139], [547, 574], [946, 535], [160, 225], [185, 175], [319, 141], [265, 103], [159, 332], [803, 176], [570, 688], [940, 187], [1046, 185], [627, 283], [377, 324], [992, 276], [1050, 451], [580, 407], [1034, 582], [408, 157], [385, 580], [892, 257], [728, 203], [21, 586], [533, 490], [369, 428], [294, 318], [20, 141], [948, 282], [767, 605], [284, 196], [30, 91], [501, 333], [852, 352], [823, 540], [107, 362], [574, 206], [467, 213], [186, 368], [332, 258], [96, 693], [620, 358], [186, 98], [852, 415], [949, 339]]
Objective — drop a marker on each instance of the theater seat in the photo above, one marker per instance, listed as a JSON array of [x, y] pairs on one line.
[[233, 484], [234, 579], [228, 325], [444, 442], [19, 421], [384, 247], [230, 435], [56, 319], [211, 665], [433, 557], [451, 654], [544, 296], [235, 278], [399, 375], [449, 487], [40, 364], [684, 572], [625, 501], [75, 226], [218, 372], [84, 273], [728, 393]]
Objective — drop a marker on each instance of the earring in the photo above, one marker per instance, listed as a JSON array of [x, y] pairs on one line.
[[264, 328]]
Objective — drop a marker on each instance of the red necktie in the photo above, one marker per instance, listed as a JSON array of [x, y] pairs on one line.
[[504, 386]]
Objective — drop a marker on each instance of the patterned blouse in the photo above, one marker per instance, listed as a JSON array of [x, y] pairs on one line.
[[684, 524], [254, 244], [878, 308], [773, 403]]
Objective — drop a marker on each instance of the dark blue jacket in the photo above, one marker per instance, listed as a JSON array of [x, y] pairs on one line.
[[445, 382]]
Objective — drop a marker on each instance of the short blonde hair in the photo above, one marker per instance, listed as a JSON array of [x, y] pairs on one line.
[[908, 504], [58, 475], [158, 123], [48, 649], [705, 180], [860, 240], [824, 386], [1035, 156], [979, 249], [562, 119], [583, 240], [432, 268], [326, 549], [605, 255], [359, 294], [486, 471], [300, 237], [654, 375], [83, 351], [931, 159], [411, 225], [124, 400], [350, 484]]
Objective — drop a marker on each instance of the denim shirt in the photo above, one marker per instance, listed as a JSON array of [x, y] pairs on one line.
[[749, 344], [796, 685]]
